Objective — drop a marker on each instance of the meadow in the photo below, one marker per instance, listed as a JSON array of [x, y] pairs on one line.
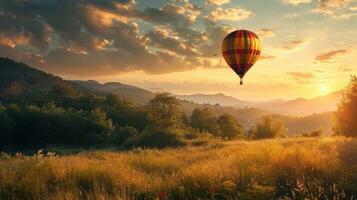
[[295, 168]]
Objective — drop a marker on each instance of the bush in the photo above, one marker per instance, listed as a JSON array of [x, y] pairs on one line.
[[316, 133], [122, 134], [155, 139], [164, 112], [267, 128], [205, 120], [229, 128], [34, 127]]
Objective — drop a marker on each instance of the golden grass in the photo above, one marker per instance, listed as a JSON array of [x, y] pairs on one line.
[[318, 168]]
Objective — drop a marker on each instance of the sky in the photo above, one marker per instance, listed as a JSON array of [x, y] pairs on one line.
[[309, 47]]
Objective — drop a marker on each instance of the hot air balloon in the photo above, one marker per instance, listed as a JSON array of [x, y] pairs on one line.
[[241, 49]]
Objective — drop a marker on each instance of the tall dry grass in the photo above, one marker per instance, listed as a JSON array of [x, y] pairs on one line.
[[319, 168]]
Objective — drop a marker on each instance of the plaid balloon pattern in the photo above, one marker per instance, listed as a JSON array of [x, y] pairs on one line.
[[241, 49]]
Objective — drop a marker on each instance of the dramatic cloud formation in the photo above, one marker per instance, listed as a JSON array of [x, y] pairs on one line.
[[300, 77], [105, 34], [180, 41], [232, 14], [331, 55], [297, 2]]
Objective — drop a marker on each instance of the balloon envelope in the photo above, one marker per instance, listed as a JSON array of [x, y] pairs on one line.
[[241, 49]]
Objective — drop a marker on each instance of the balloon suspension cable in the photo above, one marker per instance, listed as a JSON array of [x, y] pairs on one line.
[[241, 81]]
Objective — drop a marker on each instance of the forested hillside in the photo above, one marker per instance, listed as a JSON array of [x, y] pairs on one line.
[[40, 110]]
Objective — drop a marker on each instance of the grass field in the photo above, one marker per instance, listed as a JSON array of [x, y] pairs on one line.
[[311, 168]]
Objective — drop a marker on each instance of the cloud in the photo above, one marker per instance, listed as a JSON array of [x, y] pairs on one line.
[[336, 9], [292, 45], [297, 2], [266, 57], [302, 77], [266, 32], [217, 2], [319, 71], [165, 38], [331, 55], [232, 14], [292, 15], [179, 13], [216, 35], [13, 40], [101, 37], [344, 69]]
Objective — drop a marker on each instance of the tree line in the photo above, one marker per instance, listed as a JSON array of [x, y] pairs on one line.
[[72, 118], [67, 117]]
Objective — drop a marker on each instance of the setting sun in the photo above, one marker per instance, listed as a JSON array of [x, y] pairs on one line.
[[324, 89]]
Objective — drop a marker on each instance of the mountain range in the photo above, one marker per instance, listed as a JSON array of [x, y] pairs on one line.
[[18, 77], [298, 107], [132, 93], [22, 83]]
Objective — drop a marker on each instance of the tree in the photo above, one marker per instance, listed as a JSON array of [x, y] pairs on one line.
[[267, 128], [165, 124], [6, 127], [122, 134], [205, 120], [164, 113], [346, 113], [229, 127], [124, 113]]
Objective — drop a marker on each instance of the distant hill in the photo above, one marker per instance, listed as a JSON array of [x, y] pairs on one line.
[[302, 106], [130, 92], [298, 125], [298, 107], [19, 80], [219, 98]]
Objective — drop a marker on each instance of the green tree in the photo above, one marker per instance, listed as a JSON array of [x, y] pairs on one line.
[[164, 113], [229, 127], [125, 113], [122, 134], [62, 94], [267, 127], [205, 120], [165, 124], [346, 113]]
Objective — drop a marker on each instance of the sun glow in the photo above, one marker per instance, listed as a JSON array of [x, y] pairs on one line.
[[324, 89]]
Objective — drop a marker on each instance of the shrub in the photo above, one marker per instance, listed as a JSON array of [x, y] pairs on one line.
[[316, 133], [205, 120], [155, 139], [164, 112], [122, 134], [229, 127], [267, 128]]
